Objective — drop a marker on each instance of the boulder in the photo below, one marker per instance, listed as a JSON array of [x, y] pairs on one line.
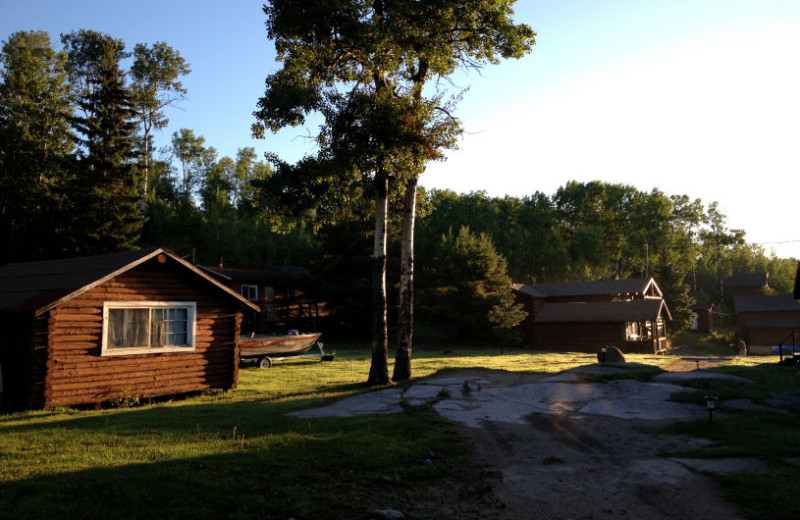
[[610, 354]]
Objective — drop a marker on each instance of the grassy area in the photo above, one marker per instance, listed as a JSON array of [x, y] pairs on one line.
[[772, 437], [693, 343], [238, 455]]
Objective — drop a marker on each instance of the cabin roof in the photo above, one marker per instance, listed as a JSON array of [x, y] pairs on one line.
[[746, 280], [41, 286], [263, 274], [771, 303], [613, 311], [598, 288]]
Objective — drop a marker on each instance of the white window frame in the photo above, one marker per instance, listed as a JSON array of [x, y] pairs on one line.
[[249, 291], [191, 326]]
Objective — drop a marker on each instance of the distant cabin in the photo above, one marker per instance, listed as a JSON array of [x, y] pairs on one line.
[[279, 292], [764, 322], [136, 324], [584, 316], [749, 284]]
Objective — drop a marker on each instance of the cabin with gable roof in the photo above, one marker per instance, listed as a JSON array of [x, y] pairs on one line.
[[136, 324], [584, 316]]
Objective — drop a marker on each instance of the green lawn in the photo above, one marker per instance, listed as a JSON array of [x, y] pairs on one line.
[[238, 455]]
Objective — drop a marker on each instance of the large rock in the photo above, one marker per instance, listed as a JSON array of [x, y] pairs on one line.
[[610, 354]]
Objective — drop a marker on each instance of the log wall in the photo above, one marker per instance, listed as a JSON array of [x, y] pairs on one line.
[[579, 337], [74, 372]]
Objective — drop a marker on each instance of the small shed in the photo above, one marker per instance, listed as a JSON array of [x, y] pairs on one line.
[[135, 324], [764, 322], [702, 317], [634, 326]]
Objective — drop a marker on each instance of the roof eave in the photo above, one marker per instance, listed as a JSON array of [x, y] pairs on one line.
[[136, 263]]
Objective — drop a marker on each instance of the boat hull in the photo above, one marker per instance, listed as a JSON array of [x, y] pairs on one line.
[[277, 346]]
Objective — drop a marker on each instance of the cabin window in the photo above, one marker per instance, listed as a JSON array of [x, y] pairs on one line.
[[148, 327], [250, 292], [638, 331], [632, 332], [269, 294]]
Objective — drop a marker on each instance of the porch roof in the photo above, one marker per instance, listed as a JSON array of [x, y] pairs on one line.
[[614, 311]]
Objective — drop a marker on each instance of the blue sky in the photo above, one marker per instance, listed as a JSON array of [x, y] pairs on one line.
[[697, 97]]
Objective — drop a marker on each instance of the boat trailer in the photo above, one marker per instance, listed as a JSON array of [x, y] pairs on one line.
[[266, 361]]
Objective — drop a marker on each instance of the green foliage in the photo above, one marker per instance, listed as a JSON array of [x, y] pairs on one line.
[[109, 195], [35, 143], [593, 231], [468, 288]]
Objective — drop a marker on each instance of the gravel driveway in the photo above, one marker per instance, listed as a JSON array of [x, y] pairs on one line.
[[558, 449]]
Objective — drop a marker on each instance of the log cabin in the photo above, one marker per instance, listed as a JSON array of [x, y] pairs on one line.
[[764, 322], [136, 324], [584, 316]]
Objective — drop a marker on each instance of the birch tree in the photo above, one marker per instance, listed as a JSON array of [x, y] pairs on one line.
[[362, 65], [155, 86]]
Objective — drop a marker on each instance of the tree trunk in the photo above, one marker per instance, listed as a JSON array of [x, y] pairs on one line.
[[379, 369], [402, 365], [146, 166]]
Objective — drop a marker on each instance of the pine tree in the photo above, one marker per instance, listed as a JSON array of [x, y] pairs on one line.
[[108, 183]]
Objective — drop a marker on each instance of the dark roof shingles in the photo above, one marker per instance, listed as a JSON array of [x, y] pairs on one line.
[[602, 287], [772, 303], [29, 285], [614, 311]]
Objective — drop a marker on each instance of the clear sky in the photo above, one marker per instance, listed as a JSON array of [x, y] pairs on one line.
[[694, 97]]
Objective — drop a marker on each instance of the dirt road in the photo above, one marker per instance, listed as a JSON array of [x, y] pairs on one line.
[[559, 450], [558, 467]]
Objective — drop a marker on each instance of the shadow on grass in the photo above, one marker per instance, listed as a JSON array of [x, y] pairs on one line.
[[337, 468]]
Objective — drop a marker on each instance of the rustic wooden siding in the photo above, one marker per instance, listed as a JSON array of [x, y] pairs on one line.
[[743, 317], [589, 337], [768, 337], [579, 337], [532, 306], [76, 373], [650, 346]]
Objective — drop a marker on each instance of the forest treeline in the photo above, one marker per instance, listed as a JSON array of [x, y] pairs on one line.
[[80, 175]]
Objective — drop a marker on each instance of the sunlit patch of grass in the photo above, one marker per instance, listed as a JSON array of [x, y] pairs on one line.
[[239, 455], [694, 343]]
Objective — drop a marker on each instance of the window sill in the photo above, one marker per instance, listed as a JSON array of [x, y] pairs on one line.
[[143, 351]]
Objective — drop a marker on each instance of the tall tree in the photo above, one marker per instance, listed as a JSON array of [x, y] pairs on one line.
[[110, 196], [193, 156], [363, 65], [434, 39], [215, 195], [35, 141], [469, 290], [88, 54], [155, 85]]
